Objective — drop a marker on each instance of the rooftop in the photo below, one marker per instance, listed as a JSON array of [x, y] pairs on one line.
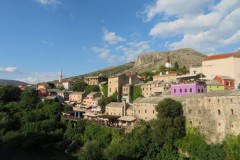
[[225, 77], [221, 56], [213, 82], [115, 104]]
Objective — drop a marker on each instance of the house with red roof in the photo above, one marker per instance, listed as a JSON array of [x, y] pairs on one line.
[[222, 64], [227, 82]]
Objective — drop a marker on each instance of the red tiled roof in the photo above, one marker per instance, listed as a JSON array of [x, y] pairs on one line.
[[43, 91], [221, 56]]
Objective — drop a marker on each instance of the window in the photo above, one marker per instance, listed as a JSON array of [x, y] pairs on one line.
[[231, 126], [191, 122], [228, 83], [153, 111], [185, 90], [145, 111], [199, 111], [209, 100], [199, 123], [202, 90], [174, 90], [198, 90], [218, 100], [190, 90], [180, 90], [219, 124], [219, 112], [139, 111], [189, 111], [231, 111]]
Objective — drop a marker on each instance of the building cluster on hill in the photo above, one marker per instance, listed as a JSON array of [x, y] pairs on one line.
[[210, 95]]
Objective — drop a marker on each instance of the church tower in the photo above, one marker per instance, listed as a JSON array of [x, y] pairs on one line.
[[60, 77], [168, 63]]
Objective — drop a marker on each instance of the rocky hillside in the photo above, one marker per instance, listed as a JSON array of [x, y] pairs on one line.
[[152, 61]]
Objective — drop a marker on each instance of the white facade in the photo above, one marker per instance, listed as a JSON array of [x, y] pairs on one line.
[[68, 85], [225, 66], [195, 70]]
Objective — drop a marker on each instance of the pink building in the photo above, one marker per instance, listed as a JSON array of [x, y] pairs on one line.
[[91, 97], [188, 88]]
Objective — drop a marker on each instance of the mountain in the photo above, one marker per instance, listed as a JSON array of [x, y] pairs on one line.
[[184, 57], [11, 82], [152, 61]]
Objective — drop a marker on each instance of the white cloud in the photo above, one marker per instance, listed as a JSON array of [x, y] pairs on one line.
[[47, 43], [8, 70], [179, 8], [53, 3], [111, 37], [205, 28], [103, 52], [132, 49], [37, 77]]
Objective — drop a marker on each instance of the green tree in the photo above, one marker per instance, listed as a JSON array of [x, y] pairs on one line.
[[9, 93], [162, 68], [105, 90], [170, 123], [91, 151], [79, 86], [92, 88], [137, 92], [176, 65], [29, 98], [106, 100]]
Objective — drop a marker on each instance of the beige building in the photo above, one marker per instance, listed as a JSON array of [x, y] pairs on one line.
[[222, 64], [116, 108], [152, 88], [77, 96], [216, 114], [144, 108], [166, 76], [95, 80], [115, 85]]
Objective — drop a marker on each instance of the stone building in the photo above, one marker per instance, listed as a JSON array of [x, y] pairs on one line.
[[216, 114], [152, 88], [94, 80], [77, 96], [115, 84], [144, 108]]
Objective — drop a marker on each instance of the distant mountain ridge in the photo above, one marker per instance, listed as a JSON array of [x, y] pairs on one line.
[[152, 61], [11, 82]]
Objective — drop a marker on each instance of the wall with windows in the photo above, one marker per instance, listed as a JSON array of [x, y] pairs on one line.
[[216, 117], [185, 88]]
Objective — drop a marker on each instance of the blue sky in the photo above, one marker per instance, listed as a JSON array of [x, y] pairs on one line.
[[39, 37]]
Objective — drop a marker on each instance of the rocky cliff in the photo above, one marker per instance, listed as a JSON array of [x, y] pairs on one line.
[[184, 57]]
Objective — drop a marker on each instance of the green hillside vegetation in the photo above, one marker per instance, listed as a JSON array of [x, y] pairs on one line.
[[29, 124]]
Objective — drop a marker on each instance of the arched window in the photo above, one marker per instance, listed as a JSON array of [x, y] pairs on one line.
[[199, 111], [189, 111], [219, 112], [231, 111]]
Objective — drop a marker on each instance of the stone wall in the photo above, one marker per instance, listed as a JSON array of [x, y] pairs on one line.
[[215, 116]]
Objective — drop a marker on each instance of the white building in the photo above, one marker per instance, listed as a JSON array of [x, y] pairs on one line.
[[222, 64], [67, 85]]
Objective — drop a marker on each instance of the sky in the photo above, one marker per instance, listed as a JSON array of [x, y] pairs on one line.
[[38, 38]]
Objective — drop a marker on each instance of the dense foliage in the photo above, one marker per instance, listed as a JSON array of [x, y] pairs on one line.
[[148, 75], [79, 86], [30, 124], [137, 92]]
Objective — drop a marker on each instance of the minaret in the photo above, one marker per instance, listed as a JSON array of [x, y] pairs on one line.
[[60, 77]]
